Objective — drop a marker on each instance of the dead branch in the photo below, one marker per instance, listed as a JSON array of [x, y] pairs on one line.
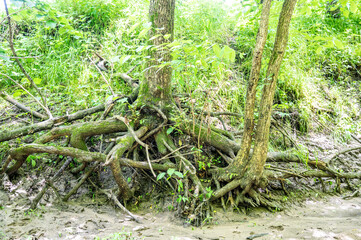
[[77, 186], [101, 73], [22, 106], [6, 135], [41, 104], [346, 150]]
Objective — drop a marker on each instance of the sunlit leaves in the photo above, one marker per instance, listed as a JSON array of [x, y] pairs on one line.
[[226, 53], [51, 23]]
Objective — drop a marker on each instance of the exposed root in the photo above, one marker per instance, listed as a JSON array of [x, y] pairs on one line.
[[245, 188]]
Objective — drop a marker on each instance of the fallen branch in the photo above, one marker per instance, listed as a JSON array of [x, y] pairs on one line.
[[77, 186], [6, 135], [22, 106], [41, 104], [345, 151]]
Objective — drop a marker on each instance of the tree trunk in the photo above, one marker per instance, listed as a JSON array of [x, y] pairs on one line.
[[242, 156], [156, 87], [263, 126]]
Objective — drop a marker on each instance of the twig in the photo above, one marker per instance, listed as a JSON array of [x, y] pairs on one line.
[[5, 18], [345, 151], [214, 114], [354, 137], [355, 193], [23, 57], [284, 133], [132, 69], [77, 186], [169, 155], [5, 165]]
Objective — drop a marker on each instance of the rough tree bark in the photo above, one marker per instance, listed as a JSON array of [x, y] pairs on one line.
[[245, 167], [263, 126], [156, 87], [243, 154]]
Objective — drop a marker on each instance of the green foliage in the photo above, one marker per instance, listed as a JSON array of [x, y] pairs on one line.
[[32, 159], [94, 15], [171, 173], [212, 55]]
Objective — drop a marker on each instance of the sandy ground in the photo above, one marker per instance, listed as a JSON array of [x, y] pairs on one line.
[[331, 218]]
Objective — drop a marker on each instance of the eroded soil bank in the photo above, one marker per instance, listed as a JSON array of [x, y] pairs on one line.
[[329, 218]]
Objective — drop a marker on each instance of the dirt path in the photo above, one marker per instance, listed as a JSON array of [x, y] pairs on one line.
[[333, 218]]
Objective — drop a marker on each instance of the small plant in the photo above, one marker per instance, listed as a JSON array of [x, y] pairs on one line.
[[171, 172], [182, 198]]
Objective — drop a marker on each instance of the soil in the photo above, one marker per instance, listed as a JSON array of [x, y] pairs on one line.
[[328, 218]]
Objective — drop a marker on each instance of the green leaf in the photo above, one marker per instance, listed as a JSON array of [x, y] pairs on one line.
[[217, 50], [143, 33], [358, 51], [160, 176], [343, 2], [16, 17], [133, 27], [170, 130], [37, 81], [155, 36], [338, 44], [319, 50], [178, 174], [125, 58], [140, 48], [319, 38], [170, 171], [51, 23], [345, 12], [204, 63], [63, 30], [115, 59], [229, 54], [18, 93]]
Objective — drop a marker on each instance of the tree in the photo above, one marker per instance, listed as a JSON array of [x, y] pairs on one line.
[[156, 88], [247, 168]]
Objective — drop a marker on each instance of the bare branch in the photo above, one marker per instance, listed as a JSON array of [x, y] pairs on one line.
[[22, 106]]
